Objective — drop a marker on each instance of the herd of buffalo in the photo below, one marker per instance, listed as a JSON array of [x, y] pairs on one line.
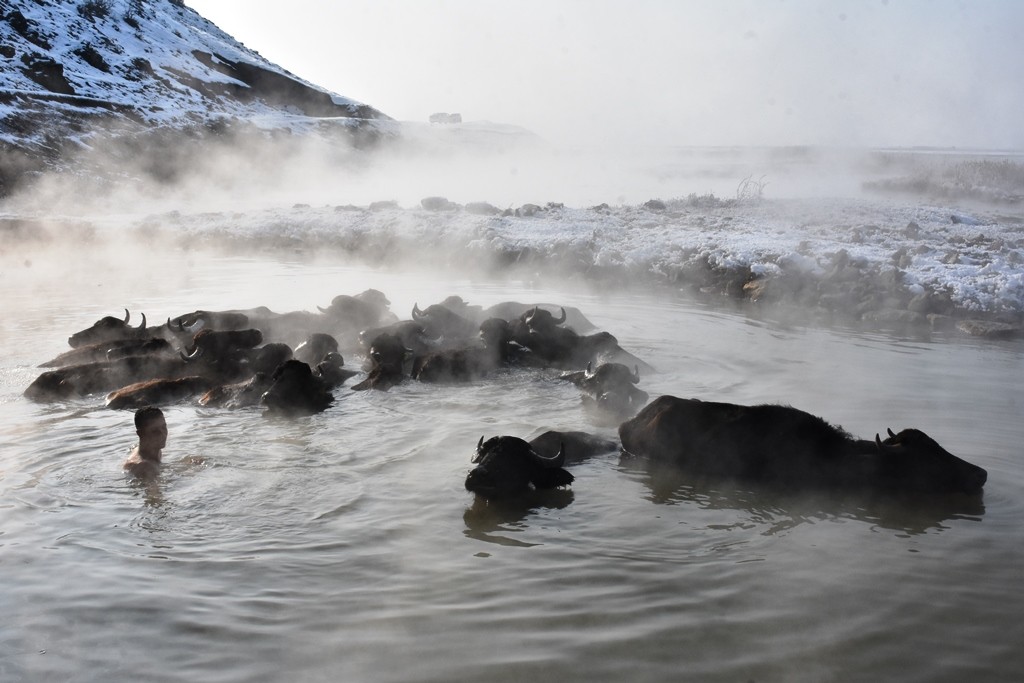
[[292, 363]]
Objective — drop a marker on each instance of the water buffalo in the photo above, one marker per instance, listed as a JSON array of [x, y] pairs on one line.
[[507, 466], [542, 320], [294, 390], [562, 348], [102, 376], [332, 371], [246, 394], [157, 392], [783, 446], [316, 346], [439, 321], [366, 309], [222, 343], [577, 446], [467, 364], [412, 334], [610, 389], [109, 328], [513, 310], [258, 369], [111, 350], [387, 358], [264, 359], [217, 320]]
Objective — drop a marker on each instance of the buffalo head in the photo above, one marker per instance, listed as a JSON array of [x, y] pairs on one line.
[[508, 465], [106, 329], [912, 461], [294, 391]]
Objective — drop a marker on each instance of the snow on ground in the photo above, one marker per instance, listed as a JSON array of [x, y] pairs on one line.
[[976, 260]]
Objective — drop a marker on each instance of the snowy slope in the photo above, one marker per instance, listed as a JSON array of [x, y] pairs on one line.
[[70, 66]]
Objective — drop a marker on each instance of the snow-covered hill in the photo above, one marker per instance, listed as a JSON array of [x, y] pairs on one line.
[[73, 71]]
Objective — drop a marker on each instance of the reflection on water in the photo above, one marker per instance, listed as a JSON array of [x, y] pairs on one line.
[[774, 511], [487, 520], [344, 546]]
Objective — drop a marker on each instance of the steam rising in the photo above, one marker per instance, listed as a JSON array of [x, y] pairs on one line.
[[592, 183]]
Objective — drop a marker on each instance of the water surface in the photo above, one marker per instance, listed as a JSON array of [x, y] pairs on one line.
[[343, 546]]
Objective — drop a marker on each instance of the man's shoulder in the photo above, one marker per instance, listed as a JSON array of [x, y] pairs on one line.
[[140, 468]]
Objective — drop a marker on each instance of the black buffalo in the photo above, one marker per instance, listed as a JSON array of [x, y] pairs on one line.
[[225, 355], [560, 347], [508, 465], [440, 321], [792, 449], [576, 446], [111, 350], [470, 363], [294, 390], [387, 359], [513, 310], [316, 346], [223, 343], [107, 329], [610, 389], [332, 371], [366, 309], [412, 334], [103, 376]]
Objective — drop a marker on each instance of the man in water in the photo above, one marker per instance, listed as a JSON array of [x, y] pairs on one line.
[[144, 460]]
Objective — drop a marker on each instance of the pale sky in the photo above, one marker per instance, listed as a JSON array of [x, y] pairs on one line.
[[947, 73]]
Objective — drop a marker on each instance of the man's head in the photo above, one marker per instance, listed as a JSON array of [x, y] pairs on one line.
[[151, 427]]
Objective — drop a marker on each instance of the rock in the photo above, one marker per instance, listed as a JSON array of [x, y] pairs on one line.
[[482, 209], [438, 204], [988, 329], [655, 205]]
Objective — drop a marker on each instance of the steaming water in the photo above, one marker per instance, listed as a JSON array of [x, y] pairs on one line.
[[343, 546]]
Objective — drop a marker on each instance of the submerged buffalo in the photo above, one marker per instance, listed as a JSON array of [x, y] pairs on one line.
[[294, 390], [576, 446], [469, 363], [156, 392], [508, 465], [440, 321], [792, 449], [112, 350], [387, 358], [610, 389]]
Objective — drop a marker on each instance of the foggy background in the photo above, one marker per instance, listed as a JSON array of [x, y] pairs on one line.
[[878, 73]]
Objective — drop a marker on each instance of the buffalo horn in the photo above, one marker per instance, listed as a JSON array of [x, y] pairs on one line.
[[322, 309], [127, 316], [891, 435], [636, 374], [192, 355], [143, 325], [884, 447], [479, 450], [562, 319], [416, 312], [589, 373], [556, 460], [529, 315]]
